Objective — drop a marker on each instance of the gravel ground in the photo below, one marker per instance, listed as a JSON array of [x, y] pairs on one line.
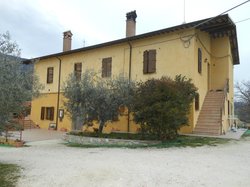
[[50, 163]]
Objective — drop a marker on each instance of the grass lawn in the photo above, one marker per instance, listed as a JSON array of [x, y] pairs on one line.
[[9, 174], [246, 134], [180, 141]]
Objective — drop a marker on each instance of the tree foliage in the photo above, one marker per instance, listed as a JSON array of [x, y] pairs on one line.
[[17, 83], [161, 106], [243, 104], [95, 98]]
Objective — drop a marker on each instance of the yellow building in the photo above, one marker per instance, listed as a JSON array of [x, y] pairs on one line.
[[204, 50]]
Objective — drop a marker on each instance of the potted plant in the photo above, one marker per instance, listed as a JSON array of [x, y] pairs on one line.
[[18, 143]]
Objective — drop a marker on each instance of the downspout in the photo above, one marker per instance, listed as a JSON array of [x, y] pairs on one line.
[[58, 92], [129, 78]]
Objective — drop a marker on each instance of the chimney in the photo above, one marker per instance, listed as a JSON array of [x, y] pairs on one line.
[[67, 37], [130, 23]]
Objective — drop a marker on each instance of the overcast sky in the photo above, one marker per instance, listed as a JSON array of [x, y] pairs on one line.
[[37, 25]]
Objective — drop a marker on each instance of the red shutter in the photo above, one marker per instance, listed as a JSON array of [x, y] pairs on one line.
[[145, 62], [152, 61]]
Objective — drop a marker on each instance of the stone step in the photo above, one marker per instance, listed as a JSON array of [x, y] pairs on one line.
[[218, 122], [209, 115], [215, 104], [214, 133], [208, 121], [207, 127]]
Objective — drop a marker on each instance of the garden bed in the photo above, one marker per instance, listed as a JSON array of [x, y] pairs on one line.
[[82, 139], [88, 140]]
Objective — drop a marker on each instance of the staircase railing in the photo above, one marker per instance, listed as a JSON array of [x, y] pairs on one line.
[[222, 109]]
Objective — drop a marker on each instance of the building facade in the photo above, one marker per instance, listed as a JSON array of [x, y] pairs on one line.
[[204, 50]]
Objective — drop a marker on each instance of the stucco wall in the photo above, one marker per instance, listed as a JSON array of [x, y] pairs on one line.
[[174, 55]]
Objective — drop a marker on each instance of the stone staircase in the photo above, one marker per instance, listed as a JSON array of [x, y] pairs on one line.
[[27, 124], [209, 120]]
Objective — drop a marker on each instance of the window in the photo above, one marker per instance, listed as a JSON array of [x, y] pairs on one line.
[[47, 113], [50, 72], [149, 61], [50, 113], [42, 113], [106, 67], [197, 102], [199, 60], [78, 70]]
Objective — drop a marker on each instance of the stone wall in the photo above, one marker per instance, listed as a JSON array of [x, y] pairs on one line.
[[83, 140]]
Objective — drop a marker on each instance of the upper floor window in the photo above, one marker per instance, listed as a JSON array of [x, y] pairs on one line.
[[78, 70], [50, 72], [149, 61], [106, 67], [199, 60]]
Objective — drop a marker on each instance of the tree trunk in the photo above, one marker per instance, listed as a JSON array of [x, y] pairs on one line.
[[101, 126]]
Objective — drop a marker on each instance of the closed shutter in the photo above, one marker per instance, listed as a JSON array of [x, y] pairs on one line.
[[199, 60], [151, 61], [50, 72], [106, 67], [42, 113], [51, 113], [78, 70], [197, 102], [109, 67], [145, 62]]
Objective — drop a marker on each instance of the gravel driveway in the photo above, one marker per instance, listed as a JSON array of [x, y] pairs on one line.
[[50, 163]]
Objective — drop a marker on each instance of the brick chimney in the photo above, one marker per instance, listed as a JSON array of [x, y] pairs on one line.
[[67, 37], [130, 23]]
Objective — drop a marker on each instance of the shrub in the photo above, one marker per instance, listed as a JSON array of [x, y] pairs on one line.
[[161, 106]]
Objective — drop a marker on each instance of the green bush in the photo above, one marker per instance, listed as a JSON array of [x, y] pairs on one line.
[[161, 106]]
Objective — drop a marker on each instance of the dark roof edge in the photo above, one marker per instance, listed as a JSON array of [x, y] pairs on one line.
[[136, 37]]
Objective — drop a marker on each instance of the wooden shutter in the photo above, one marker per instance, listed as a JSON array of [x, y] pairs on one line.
[[197, 102], [145, 62], [42, 113], [151, 61], [47, 109], [109, 67], [50, 72], [78, 70], [106, 67], [199, 60], [51, 113]]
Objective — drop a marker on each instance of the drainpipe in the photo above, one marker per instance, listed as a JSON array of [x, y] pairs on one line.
[[58, 92], [129, 77]]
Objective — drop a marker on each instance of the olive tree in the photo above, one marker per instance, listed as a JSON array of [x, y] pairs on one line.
[[243, 96], [18, 84], [95, 98]]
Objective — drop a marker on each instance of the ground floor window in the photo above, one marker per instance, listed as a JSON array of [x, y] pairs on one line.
[[47, 113]]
